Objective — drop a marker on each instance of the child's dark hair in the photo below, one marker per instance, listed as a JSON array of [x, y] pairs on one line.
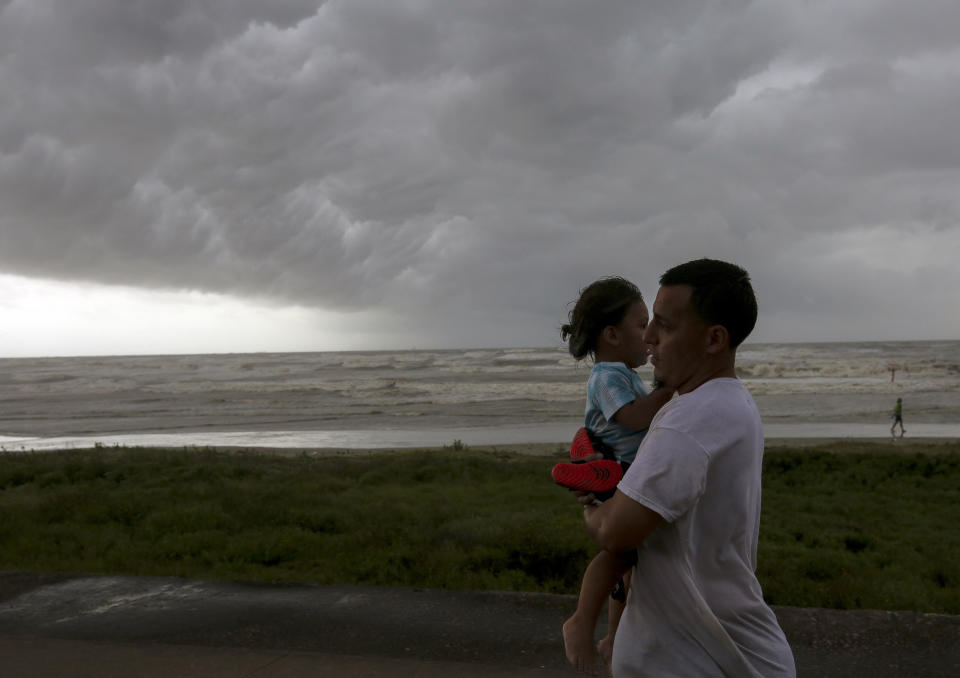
[[722, 294], [601, 303]]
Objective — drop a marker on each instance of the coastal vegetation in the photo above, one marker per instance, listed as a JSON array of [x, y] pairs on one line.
[[845, 525]]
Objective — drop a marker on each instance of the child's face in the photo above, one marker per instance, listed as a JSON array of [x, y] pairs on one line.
[[633, 349]]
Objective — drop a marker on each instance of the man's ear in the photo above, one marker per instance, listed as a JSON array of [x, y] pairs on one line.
[[718, 339]]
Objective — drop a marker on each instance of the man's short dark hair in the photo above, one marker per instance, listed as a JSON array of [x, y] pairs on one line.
[[722, 294]]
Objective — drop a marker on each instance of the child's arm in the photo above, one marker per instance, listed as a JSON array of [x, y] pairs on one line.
[[638, 414]]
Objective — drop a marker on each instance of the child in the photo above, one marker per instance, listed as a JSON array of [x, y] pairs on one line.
[[606, 323]]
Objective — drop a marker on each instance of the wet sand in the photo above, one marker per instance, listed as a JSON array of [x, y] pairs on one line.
[[301, 443]]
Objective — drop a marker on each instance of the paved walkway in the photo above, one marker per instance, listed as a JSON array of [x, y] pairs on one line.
[[106, 627]]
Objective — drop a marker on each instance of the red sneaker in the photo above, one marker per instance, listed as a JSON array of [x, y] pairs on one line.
[[581, 446], [593, 476]]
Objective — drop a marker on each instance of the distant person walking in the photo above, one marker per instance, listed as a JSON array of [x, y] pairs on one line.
[[897, 418]]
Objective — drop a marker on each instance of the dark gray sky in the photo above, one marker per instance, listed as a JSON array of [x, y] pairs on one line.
[[211, 175]]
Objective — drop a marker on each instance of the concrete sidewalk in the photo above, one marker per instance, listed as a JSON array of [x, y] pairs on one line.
[[62, 625]]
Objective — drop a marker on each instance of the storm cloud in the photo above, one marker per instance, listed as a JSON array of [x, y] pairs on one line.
[[467, 165]]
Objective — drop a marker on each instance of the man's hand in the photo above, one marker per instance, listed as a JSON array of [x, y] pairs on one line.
[[586, 498]]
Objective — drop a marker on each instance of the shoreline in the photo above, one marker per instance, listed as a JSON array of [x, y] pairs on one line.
[[539, 449], [548, 435]]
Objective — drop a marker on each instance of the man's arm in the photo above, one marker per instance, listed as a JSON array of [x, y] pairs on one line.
[[638, 414], [620, 523]]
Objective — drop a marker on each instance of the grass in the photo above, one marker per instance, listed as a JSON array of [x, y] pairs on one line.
[[862, 530], [853, 528]]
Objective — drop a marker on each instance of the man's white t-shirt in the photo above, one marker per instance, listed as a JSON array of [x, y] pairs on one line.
[[695, 606]]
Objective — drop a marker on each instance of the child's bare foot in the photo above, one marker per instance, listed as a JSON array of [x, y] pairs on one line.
[[605, 648], [578, 644]]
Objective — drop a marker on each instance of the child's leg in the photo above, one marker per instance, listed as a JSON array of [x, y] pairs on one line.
[[578, 631], [615, 608]]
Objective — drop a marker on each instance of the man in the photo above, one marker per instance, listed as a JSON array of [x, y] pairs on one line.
[[690, 503]]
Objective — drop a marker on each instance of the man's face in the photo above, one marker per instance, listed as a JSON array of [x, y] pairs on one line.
[[677, 337]]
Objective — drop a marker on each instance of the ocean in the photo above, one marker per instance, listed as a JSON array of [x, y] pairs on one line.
[[398, 399]]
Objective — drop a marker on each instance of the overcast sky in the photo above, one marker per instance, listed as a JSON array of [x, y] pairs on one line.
[[242, 175]]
